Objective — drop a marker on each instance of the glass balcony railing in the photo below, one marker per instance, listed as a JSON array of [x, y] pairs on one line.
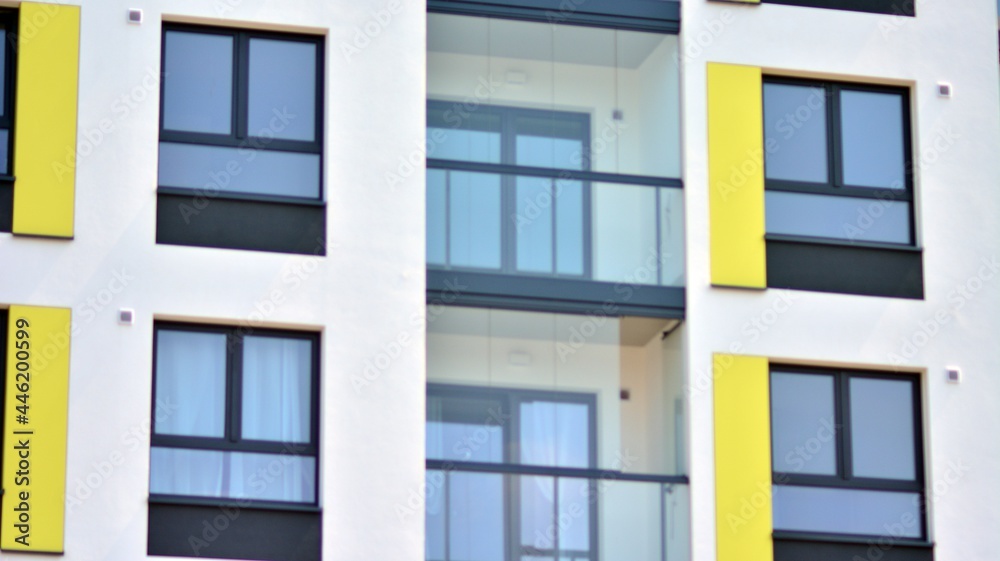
[[552, 223], [553, 166], [494, 512]]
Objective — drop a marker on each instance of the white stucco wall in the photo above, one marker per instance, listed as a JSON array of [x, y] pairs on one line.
[[957, 200], [366, 295]]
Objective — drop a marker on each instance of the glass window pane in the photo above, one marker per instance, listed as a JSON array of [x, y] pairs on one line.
[[626, 81], [282, 97], [556, 512], [239, 170], [466, 442], [841, 218], [435, 515], [624, 233], [191, 383], [475, 219], [671, 236], [4, 150], [232, 475], [882, 432], [533, 223], [476, 516], [872, 129], [538, 512], [277, 389], [803, 430], [458, 131], [466, 145], [569, 227], [465, 428], [554, 143], [3, 70], [574, 510], [198, 82], [437, 227], [555, 434], [847, 511], [795, 133]]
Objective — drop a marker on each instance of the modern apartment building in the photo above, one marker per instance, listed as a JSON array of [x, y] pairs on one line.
[[497, 280]]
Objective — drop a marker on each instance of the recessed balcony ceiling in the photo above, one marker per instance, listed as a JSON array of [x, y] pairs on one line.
[[534, 41]]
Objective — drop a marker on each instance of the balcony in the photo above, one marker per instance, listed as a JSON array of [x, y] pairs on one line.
[[494, 512], [553, 168], [554, 437]]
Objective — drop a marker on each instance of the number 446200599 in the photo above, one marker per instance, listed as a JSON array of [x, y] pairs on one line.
[[22, 368]]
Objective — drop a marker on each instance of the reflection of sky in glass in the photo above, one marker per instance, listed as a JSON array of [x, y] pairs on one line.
[[795, 133]]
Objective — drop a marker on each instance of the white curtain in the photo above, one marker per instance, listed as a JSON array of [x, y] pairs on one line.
[[233, 475], [191, 383], [276, 389], [554, 434], [276, 407]]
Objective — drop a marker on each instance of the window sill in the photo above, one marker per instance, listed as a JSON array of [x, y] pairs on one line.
[[850, 538], [885, 7], [841, 243], [277, 199], [233, 503]]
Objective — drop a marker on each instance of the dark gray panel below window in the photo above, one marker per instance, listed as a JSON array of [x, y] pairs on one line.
[[6, 207], [895, 7], [845, 269], [232, 532], [817, 549], [240, 224]]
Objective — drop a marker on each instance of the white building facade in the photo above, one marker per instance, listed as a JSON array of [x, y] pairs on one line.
[[474, 280]]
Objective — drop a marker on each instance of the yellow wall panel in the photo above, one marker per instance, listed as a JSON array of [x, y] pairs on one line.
[[35, 422], [45, 119], [742, 458], [736, 176]]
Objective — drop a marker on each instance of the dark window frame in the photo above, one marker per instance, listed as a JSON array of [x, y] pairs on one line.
[[9, 21], [844, 478], [892, 7], [835, 185], [239, 136], [509, 169], [231, 441], [510, 400]]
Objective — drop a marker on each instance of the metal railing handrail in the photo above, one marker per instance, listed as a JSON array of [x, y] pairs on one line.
[[555, 173], [578, 473]]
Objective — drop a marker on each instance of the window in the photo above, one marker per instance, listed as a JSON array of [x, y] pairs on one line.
[[894, 7], [514, 428], [8, 59], [838, 197], [838, 161], [846, 453], [242, 401], [235, 423], [553, 241], [241, 121]]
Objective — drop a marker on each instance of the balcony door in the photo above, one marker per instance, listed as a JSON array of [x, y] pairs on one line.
[[521, 509], [508, 222]]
